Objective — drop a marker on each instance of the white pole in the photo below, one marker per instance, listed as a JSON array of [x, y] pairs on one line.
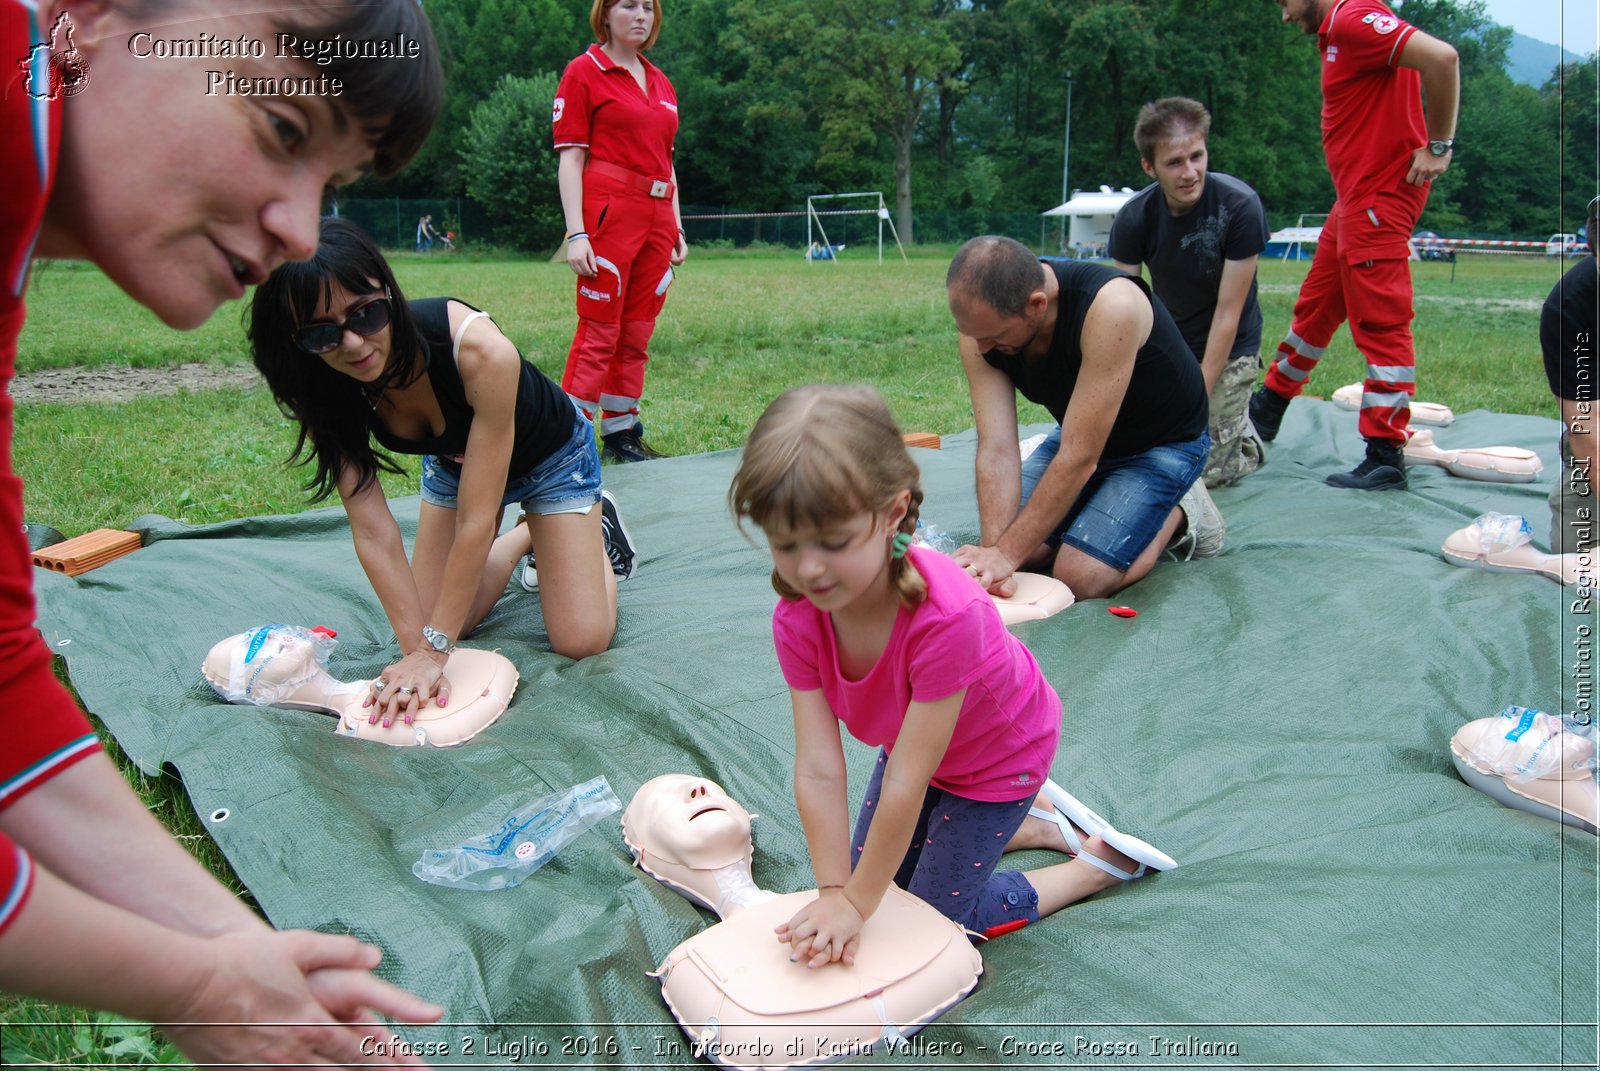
[[1066, 159], [882, 211]]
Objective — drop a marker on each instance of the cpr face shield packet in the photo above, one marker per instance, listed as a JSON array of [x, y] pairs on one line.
[[521, 842]]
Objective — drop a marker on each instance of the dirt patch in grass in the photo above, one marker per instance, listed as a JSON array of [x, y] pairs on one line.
[[121, 384]]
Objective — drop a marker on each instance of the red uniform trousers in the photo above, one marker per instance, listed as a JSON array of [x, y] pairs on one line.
[[633, 235], [1375, 297]]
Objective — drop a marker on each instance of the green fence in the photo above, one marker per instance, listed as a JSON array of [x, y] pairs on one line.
[[392, 221]]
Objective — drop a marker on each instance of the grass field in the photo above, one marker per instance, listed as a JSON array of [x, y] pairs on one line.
[[738, 329]]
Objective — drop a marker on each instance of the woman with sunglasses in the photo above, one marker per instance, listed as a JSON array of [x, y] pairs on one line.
[[349, 358]]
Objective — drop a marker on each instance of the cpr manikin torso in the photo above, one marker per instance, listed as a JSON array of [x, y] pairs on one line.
[[1534, 762], [282, 665], [1491, 464], [733, 988], [1503, 543]]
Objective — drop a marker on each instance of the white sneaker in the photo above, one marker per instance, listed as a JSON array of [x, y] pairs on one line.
[[1206, 533]]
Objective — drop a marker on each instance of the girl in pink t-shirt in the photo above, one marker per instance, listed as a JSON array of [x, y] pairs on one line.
[[909, 652]]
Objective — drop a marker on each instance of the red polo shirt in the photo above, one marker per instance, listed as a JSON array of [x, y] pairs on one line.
[[1371, 107], [44, 730], [599, 107]]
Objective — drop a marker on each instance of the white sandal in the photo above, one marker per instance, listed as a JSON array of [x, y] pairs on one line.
[[1069, 812]]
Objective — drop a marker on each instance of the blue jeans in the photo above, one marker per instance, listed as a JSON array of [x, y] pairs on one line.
[[566, 480], [1121, 509]]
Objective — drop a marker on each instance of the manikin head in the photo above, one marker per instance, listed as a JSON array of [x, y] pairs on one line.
[[691, 836], [689, 821]]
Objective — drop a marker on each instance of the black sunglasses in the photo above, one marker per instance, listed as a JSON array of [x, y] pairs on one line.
[[366, 320]]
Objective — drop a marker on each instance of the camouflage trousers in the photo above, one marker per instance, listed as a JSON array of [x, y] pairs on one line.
[[1236, 451]]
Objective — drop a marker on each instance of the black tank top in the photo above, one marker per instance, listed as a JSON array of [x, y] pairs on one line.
[[544, 415], [1166, 397]]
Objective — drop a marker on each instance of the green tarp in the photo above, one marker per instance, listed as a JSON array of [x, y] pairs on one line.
[[1277, 719]]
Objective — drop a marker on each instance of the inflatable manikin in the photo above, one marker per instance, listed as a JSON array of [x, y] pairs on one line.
[[1503, 543], [1349, 397], [1491, 464], [733, 988], [284, 666], [1532, 761], [1037, 597]]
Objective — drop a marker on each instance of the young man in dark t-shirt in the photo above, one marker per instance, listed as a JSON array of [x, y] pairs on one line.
[[1200, 233], [1108, 490], [1567, 330]]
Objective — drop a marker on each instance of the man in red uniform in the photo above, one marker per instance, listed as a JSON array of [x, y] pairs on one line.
[[1382, 154], [615, 116]]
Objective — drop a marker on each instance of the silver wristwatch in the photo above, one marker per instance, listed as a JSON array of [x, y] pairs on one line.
[[437, 640], [1441, 146]]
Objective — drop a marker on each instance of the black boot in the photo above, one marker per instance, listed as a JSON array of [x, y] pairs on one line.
[[624, 447], [1266, 412], [1383, 470]]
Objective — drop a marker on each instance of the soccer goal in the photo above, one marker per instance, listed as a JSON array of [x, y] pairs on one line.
[[817, 245]]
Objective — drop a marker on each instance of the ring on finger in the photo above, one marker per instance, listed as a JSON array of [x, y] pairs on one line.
[[380, 684], [407, 690]]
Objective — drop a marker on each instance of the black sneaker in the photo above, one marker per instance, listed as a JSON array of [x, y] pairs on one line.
[[619, 545], [1383, 470], [625, 447], [1266, 412]]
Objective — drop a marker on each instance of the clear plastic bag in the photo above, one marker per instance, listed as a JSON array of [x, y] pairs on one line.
[[1502, 531], [1535, 745], [269, 662], [934, 538], [525, 840]]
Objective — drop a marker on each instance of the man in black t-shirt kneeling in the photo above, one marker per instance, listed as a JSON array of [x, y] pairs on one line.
[[1200, 233], [1118, 480]]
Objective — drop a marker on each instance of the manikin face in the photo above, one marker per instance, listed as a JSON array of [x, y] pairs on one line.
[[629, 21], [362, 358], [1180, 168], [688, 820], [1305, 14], [182, 192], [980, 321], [838, 566]]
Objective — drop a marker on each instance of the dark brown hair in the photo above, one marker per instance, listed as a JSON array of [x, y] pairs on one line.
[[1163, 120]]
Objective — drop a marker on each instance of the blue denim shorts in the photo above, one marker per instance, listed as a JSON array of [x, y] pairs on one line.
[[1127, 499], [566, 481]]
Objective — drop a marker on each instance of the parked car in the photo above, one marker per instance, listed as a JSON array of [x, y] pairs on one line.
[[1563, 245], [1430, 246]]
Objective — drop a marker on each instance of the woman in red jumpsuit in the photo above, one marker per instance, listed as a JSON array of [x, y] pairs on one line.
[[615, 117]]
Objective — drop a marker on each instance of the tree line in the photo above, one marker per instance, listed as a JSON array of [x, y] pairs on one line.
[[962, 105]]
